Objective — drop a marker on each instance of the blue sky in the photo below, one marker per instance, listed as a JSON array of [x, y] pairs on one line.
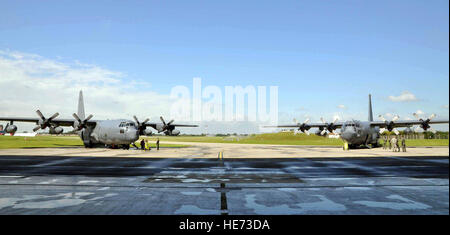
[[321, 54]]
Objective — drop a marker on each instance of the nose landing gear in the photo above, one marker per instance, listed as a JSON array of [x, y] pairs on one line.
[[346, 146]]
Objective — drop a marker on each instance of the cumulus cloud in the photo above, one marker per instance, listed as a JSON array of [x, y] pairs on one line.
[[387, 116], [406, 96], [31, 82], [420, 112]]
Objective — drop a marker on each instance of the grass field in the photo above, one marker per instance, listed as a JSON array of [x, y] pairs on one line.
[[283, 138], [286, 138], [11, 142]]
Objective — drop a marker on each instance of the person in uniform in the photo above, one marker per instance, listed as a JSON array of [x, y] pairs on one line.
[[403, 144], [394, 144], [147, 145], [157, 144], [389, 140], [142, 144]]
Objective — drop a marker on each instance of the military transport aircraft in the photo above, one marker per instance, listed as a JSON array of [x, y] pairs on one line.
[[357, 133], [112, 133]]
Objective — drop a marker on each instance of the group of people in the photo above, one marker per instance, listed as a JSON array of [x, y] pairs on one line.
[[394, 144], [145, 146]]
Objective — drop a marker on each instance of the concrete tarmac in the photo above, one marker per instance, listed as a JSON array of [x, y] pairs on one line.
[[124, 185], [211, 150]]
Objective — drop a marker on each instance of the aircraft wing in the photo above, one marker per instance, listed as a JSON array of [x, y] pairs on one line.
[[153, 125], [311, 125], [58, 122], [406, 123], [184, 125]]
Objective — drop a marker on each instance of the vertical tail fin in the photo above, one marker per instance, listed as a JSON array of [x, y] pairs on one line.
[[81, 106], [370, 108]]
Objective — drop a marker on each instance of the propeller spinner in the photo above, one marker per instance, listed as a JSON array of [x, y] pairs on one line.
[[81, 123], [425, 125], [43, 122], [303, 127], [141, 125], [390, 125], [329, 126], [165, 125]]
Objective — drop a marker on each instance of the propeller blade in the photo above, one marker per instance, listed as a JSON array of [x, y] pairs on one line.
[[396, 117], [76, 117], [146, 120], [432, 116], [307, 133], [323, 132], [335, 120], [416, 115], [135, 118], [170, 122], [382, 118], [36, 128], [382, 130], [162, 120], [396, 131], [54, 116], [306, 121], [88, 118], [40, 114]]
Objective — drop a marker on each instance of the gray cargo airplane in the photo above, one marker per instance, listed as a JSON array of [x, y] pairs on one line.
[[95, 133], [357, 133]]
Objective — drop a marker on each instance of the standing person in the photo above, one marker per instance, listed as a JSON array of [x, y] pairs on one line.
[[393, 143], [396, 149], [142, 144], [147, 146], [403, 144], [157, 144], [389, 142]]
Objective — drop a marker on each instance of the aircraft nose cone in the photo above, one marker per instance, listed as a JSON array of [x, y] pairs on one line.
[[348, 135]]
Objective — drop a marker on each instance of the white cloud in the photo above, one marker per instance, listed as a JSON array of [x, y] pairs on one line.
[[420, 112], [341, 106], [445, 106], [406, 96], [30, 82]]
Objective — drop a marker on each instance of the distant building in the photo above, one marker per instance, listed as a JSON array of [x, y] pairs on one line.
[[333, 136], [24, 134]]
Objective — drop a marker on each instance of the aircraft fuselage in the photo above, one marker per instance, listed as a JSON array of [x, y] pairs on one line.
[[111, 132], [359, 133]]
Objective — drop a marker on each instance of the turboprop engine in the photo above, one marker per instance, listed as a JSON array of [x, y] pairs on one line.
[[11, 129], [159, 127], [56, 130], [175, 132], [320, 132], [147, 132]]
